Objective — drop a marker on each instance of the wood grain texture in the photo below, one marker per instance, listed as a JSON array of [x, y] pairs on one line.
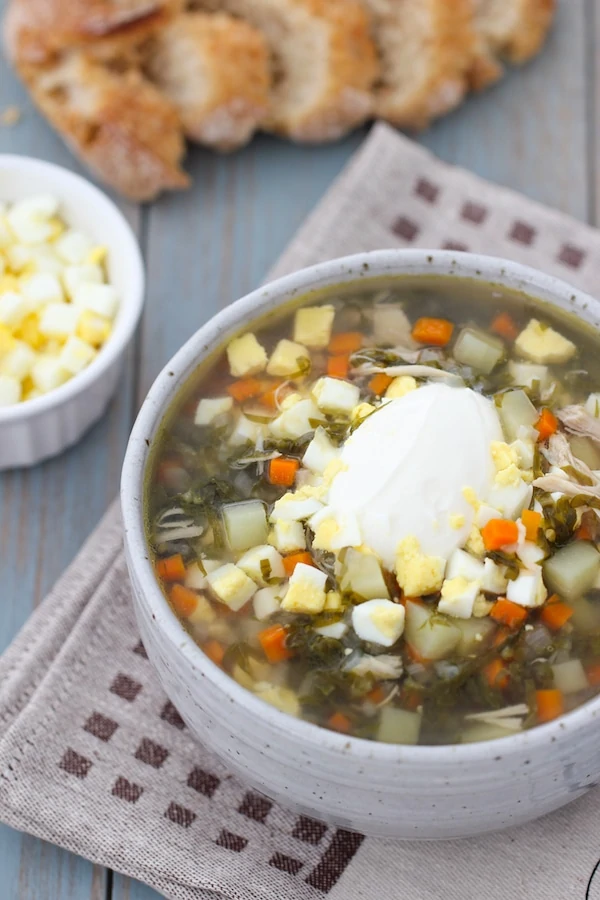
[[536, 132]]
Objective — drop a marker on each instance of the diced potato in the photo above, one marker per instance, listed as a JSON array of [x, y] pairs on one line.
[[293, 423], [231, 586], [245, 432], [313, 324], [586, 450], [336, 396], [401, 386], [289, 359], [516, 410], [473, 634], [320, 452], [266, 602], [586, 614], [481, 731], [570, 677], [391, 326], [262, 564], [281, 698], [245, 524], [204, 613], [542, 344], [398, 726], [246, 356], [195, 577], [211, 408], [479, 350], [432, 635], [363, 576], [333, 601], [527, 374], [572, 570]]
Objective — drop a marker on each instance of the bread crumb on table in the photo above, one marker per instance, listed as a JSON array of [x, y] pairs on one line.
[[10, 116]]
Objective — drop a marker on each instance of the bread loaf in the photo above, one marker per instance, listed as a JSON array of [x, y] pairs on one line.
[[216, 71]]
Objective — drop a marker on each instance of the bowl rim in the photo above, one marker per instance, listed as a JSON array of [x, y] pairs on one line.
[[131, 305], [243, 311]]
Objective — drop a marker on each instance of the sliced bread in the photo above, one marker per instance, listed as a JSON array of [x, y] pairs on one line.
[[324, 63], [118, 123], [426, 49], [216, 71]]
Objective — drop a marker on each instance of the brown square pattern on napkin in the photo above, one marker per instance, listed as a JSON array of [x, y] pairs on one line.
[[94, 758]]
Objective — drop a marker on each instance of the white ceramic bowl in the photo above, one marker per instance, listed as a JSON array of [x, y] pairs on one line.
[[40, 428], [378, 789]]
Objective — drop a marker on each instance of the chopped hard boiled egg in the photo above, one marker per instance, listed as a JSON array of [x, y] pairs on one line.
[[306, 592], [458, 597], [378, 621], [231, 586], [417, 573], [296, 421], [320, 452], [210, 409], [45, 337], [401, 386], [527, 589], [542, 344], [336, 396], [10, 390], [287, 536], [262, 564]]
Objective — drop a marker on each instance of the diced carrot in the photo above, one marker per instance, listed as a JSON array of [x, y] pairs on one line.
[[338, 366], [505, 612], [339, 722], [345, 342], [498, 533], [172, 568], [532, 521], [245, 389], [282, 471], [415, 655], [501, 636], [504, 325], [411, 699], [376, 695], [273, 640], [183, 599], [380, 383], [546, 425], [584, 533], [268, 398], [593, 674], [496, 674], [550, 705], [436, 332], [215, 651], [556, 614], [168, 470], [290, 562]]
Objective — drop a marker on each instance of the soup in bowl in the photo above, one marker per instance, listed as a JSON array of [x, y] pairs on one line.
[[361, 510]]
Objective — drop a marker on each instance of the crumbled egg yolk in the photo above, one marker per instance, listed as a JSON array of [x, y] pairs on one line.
[[56, 307], [457, 521], [475, 543], [506, 458], [360, 412], [417, 573]]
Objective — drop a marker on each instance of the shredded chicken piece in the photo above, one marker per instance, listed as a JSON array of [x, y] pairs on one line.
[[578, 421], [415, 371], [383, 668], [559, 453]]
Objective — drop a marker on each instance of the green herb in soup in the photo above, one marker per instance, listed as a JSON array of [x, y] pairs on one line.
[[379, 511]]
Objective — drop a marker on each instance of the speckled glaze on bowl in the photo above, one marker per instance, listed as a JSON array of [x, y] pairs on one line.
[[404, 792]]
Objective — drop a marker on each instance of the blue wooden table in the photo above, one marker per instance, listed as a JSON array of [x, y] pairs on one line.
[[538, 131]]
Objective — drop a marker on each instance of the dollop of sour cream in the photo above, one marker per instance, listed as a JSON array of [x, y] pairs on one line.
[[407, 466]]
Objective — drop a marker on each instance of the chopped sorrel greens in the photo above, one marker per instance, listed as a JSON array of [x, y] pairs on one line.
[[379, 511]]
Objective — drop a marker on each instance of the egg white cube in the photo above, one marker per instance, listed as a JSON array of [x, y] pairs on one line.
[[525, 374], [18, 257], [288, 359], [48, 374], [6, 235], [458, 597], [320, 452], [511, 500], [245, 432], [195, 578], [485, 514], [527, 589], [73, 247], [592, 406], [287, 536], [19, 361], [378, 622], [293, 423], [530, 554], [43, 260], [13, 309], [570, 677], [266, 602], [59, 320], [336, 630], [210, 408], [204, 613], [93, 329], [306, 592], [313, 324], [231, 586], [336, 396], [262, 564], [295, 508], [333, 532], [75, 277], [100, 298], [246, 356], [40, 289], [10, 390], [525, 450], [494, 577], [401, 386], [463, 565], [30, 219], [76, 355]]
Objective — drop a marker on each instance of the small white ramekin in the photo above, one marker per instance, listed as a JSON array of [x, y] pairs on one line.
[[386, 790], [40, 428]]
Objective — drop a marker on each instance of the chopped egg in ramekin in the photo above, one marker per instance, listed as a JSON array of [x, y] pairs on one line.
[[71, 294]]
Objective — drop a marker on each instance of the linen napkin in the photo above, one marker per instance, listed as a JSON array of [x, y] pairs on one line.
[[94, 758]]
